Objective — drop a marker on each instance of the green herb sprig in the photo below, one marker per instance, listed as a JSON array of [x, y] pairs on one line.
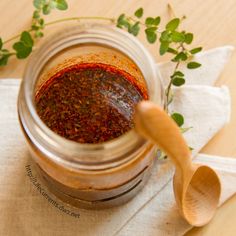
[[24, 46], [172, 40]]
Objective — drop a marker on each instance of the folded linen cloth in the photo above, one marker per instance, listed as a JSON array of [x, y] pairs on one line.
[[24, 211]]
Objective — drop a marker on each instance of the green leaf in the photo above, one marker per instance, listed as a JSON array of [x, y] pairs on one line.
[[177, 37], [193, 65], [134, 30], [34, 27], [26, 39], [178, 81], [4, 59], [173, 24], [22, 51], [41, 22], [1, 43], [163, 48], [178, 118], [139, 13], [180, 57], [123, 22], [149, 21], [46, 9], [153, 21], [151, 29], [38, 3], [188, 38], [38, 34], [36, 14], [172, 50], [61, 4], [52, 4], [157, 20], [121, 18], [24, 47], [151, 35], [196, 50], [165, 36], [177, 73], [126, 24]]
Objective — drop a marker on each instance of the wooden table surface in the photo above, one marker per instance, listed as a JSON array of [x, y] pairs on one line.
[[213, 23]]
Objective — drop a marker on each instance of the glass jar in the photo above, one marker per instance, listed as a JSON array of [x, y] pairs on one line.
[[89, 175]]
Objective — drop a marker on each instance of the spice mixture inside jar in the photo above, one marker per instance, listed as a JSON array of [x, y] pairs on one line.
[[89, 102]]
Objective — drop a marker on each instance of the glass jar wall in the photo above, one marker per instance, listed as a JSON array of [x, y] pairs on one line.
[[89, 175]]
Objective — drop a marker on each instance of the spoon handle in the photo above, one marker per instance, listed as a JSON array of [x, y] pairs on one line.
[[154, 124]]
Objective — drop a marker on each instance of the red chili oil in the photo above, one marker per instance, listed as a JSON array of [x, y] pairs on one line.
[[89, 102]]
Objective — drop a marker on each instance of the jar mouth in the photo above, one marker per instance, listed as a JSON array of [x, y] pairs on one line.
[[57, 147]]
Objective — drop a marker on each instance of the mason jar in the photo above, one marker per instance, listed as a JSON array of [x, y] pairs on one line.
[[89, 175]]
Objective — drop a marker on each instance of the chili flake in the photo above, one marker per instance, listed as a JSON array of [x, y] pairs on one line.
[[89, 103]]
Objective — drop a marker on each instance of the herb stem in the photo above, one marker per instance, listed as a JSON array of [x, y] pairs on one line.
[[171, 10], [134, 20], [112, 20], [141, 23], [14, 37], [169, 88]]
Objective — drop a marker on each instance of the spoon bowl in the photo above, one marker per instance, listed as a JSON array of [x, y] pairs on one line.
[[198, 201], [197, 187]]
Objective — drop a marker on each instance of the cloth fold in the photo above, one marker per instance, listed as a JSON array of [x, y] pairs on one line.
[[195, 100], [23, 210], [213, 62], [160, 216]]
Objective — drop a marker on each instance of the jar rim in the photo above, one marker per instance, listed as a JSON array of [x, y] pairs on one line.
[[59, 147]]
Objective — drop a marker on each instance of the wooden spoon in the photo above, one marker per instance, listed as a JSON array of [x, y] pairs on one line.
[[197, 187]]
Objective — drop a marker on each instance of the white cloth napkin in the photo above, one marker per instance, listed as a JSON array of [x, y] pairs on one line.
[[24, 211]]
